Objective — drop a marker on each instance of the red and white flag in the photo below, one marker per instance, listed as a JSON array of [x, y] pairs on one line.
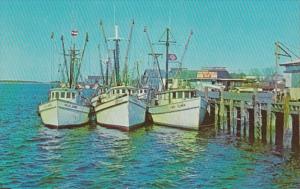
[[74, 33], [172, 57]]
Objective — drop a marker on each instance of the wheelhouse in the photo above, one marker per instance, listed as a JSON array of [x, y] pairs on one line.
[[175, 96], [63, 94], [121, 90]]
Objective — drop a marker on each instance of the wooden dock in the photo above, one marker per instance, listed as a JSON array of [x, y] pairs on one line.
[[259, 117]]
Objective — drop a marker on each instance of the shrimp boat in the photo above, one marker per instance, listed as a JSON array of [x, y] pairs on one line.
[[120, 107], [66, 106], [180, 107]]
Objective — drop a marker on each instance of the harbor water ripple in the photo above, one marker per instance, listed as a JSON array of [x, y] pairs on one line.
[[33, 156]]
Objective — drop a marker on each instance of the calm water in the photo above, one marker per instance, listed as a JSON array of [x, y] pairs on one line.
[[33, 156]]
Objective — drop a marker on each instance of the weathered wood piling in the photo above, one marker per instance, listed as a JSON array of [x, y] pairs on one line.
[[257, 117]]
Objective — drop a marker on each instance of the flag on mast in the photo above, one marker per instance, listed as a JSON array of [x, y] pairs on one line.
[[74, 33], [172, 57]]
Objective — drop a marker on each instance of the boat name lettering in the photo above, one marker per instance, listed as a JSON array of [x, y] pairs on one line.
[[71, 106], [178, 106]]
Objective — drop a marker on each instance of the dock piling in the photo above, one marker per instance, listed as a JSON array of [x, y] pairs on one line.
[[238, 122], [251, 126], [264, 120], [279, 123], [295, 138]]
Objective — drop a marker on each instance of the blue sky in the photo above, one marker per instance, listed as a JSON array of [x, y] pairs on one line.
[[236, 34]]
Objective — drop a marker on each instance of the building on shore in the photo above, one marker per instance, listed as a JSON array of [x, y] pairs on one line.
[[214, 78], [292, 77]]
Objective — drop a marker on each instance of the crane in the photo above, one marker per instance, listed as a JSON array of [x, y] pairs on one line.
[[125, 76], [154, 55], [281, 51]]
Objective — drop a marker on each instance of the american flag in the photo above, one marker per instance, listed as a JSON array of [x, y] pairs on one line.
[[74, 33], [172, 57]]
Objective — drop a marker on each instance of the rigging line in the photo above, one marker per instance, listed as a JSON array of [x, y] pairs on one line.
[[287, 49]]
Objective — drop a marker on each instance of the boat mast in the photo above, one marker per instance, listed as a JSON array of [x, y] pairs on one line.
[[81, 58], [107, 49], [101, 67], [167, 59], [72, 57], [125, 78], [65, 58], [154, 55], [167, 44], [106, 74], [183, 54], [116, 55]]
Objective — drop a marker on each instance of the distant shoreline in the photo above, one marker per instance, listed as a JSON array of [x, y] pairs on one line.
[[22, 82]]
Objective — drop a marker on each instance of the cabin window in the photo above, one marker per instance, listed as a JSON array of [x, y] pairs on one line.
[[68, 95], [62, 95], [56, 95], [73, 95], [113, 91], [193, 94], [118, 91], [174, 95], [145, 91], [52, 95], [179, 94], [123, 91], [186, 94], [159, 97], [141, 91]]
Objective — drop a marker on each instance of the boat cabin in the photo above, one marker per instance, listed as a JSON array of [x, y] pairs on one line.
[[143, 93], [120, 90], [66, 94], [175, 96]]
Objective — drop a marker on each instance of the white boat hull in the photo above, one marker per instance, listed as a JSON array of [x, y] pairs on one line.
[[124, 113], [59, 114], [188, 114]]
